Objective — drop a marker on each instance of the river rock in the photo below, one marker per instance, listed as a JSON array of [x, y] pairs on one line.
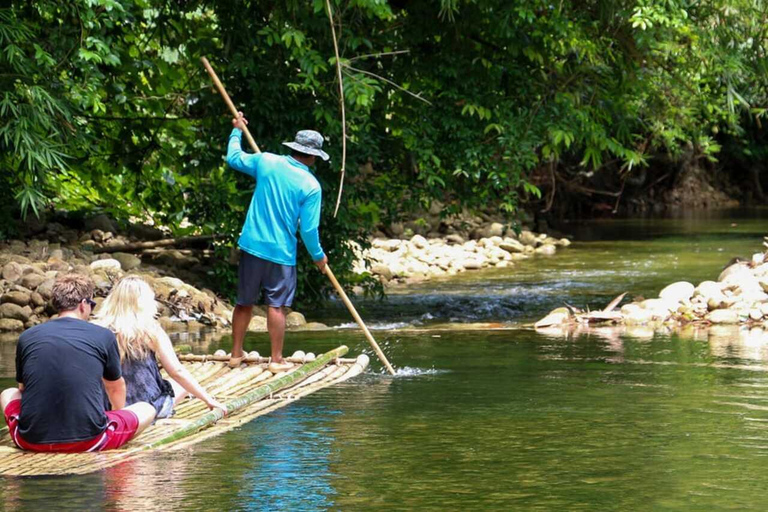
[[57, 264], [382, 270], [546, 250], [173, 282], [735, 273], [108, 265], [12, 272], [557, 316], [100, 222], [294, 319], [127, 261], [258, 323], [11, 325], [19, 298], [10, 310], [755, 314], [454, 239], [512, 246], [723, 316], [46, 288], [708, 289], [419, 242], [634, 314], [677, 292], [564, 242], [32, 281], [472, 264], [496, 229], [527, 238], [36, 299]]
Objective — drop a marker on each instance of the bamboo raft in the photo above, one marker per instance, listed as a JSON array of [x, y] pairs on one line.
[[248, 392]]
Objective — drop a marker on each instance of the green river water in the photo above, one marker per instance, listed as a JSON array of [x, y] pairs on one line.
[[492, 419]]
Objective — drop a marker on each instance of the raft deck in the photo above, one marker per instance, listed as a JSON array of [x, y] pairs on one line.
[[248, 391]]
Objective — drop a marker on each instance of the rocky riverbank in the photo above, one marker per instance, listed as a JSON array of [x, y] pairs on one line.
[[402, 261], [29, 267], [739, 296]]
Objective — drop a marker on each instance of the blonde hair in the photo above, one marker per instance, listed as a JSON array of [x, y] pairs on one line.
[[129, 311]]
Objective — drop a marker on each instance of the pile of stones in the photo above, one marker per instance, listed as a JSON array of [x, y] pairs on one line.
[[738, 296]]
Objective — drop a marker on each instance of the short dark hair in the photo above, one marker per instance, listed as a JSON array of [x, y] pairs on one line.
[[70, 290]]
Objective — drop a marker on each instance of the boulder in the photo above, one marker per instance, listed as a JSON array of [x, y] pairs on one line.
[[100, 222], [12, 272], [496, 229], [19, 298], [36, 299], [46, 289], [472, 264], [454, 239], [11, 325], [735, 273], [546, 250], [723, 316], [294, 319], [708, 289], [107, 265], [382, 270], [512, 246], [419, 242], [527, 238], [10, 310], [258, 323], [677, 292], [32, 281], [127, 261], [564, 242], [57, 264]]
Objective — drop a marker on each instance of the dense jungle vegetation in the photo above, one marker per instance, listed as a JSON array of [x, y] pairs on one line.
[[104, 104]]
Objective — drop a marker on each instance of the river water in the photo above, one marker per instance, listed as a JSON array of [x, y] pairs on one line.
[[493, 418]]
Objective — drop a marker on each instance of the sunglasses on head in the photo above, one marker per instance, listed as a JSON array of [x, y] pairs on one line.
[[90, 302]]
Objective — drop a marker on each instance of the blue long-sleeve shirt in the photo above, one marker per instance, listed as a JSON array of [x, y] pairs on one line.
[[287, 198]]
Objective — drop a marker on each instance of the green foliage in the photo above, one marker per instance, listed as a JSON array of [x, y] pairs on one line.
[[104, 104]]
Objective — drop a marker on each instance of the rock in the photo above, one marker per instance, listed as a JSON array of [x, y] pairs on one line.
[[396, 228], [564, 242], [45, 289], [36, 299], [313, 326], [17, 297], [473, 264], [12, 272], [11, 325], [258, 323], [635, 315], [294, 319], [127, 261], [173, 282], [512, 246], [723, 316], [32, 281], [419, 242], [10, 310], [677, 292], [454, 239], [719, 302], [755, 314], [57, 264], [382, 270], [547, 250], [100, 222], [527, 238], [735, 273], [496, 229], [557, 316], [708, 289], [107, 265]]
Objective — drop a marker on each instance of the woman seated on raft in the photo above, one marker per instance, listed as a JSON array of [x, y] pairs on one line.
[[129, 311]]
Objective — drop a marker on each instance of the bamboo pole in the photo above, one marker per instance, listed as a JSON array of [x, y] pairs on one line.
[[357, 318]]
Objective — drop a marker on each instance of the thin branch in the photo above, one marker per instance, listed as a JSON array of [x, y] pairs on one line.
[[343, 111], [380, 54], [390, 82]]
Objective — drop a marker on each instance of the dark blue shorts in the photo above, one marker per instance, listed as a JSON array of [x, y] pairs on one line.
[[278, 282]]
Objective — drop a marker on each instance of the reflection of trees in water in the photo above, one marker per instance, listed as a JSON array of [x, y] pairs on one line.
[[8, 356]]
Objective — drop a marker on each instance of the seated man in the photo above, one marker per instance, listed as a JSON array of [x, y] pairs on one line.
[[63, 367]]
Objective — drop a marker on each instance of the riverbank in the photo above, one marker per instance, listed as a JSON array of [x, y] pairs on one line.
[[29, 267], [738, 296]]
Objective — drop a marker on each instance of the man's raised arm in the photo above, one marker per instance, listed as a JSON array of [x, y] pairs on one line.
[[236, 157]]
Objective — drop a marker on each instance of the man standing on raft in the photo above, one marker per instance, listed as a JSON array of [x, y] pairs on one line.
[[287, 198]]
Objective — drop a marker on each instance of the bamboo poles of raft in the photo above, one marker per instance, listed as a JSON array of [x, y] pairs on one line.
[[263, 391]]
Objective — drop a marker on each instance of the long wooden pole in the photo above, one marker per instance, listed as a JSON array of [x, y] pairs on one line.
[[327, 270], [358, 319]]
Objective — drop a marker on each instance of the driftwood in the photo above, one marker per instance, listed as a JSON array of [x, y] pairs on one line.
[[165, 242]]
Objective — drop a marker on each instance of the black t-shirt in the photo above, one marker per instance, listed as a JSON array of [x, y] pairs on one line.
[[61, 364]]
